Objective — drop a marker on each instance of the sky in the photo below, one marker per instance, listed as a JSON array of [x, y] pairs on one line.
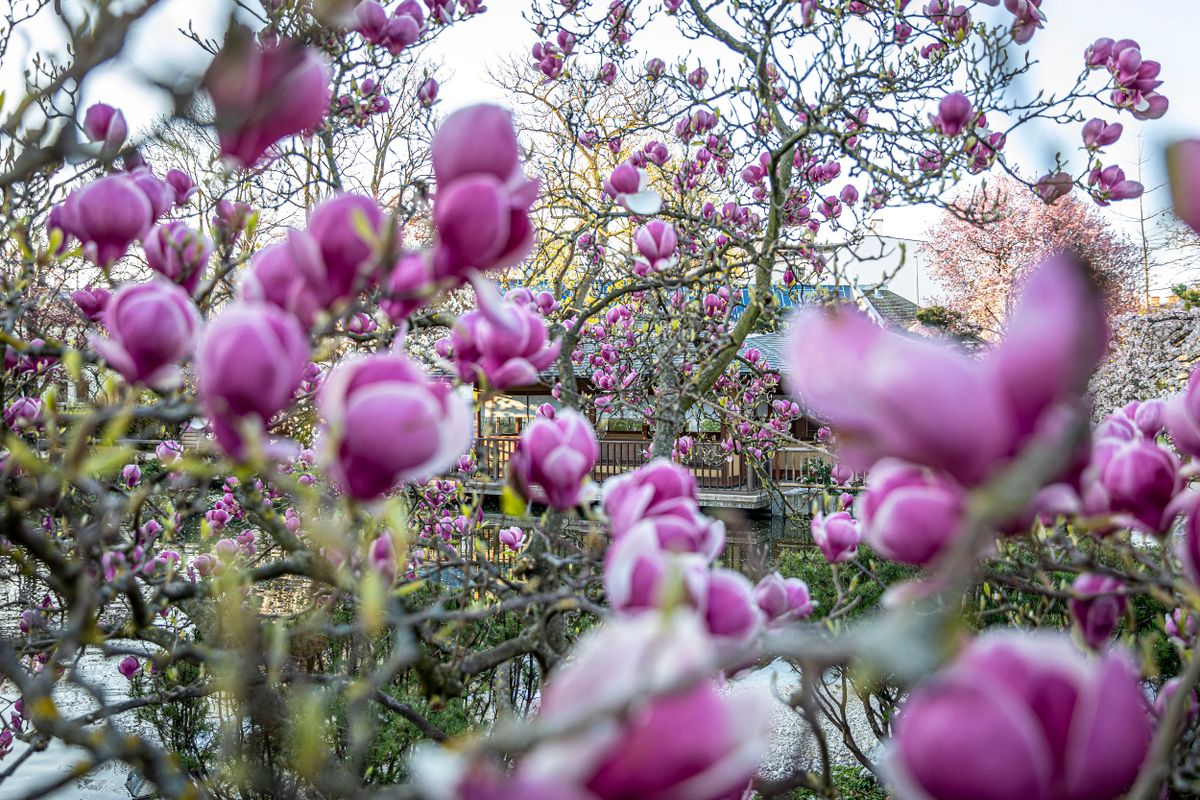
[[1166, 32]]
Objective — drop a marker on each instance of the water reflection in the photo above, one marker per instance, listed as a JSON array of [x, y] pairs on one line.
[[281, 596]]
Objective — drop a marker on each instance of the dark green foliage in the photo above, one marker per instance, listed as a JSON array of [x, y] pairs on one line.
[[940, 317], [1190, 295], [810, 566], [184, 726], [852, 783]]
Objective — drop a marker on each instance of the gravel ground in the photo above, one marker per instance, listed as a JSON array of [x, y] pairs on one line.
[[792, 742]]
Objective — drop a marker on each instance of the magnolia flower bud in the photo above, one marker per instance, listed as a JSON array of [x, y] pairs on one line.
[[481, 211], [107, 215], [1096, 607], [92, 301], [387, 423], [263, 92], [983, 726], [106, 125], [553, 459], [836, 535], [178, 254], [250, 362], [954, 114], [910, 514], [129, 666], [151, 326], [662, 495]]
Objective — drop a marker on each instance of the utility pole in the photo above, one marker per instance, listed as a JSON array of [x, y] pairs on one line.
[[1142, 227]]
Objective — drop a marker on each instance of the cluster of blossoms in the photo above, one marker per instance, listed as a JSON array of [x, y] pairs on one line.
[[368, 99], [502, 343], [763, 420], [551, 57], [394, 33], [12, 726], [1134, 79], [112, 212]]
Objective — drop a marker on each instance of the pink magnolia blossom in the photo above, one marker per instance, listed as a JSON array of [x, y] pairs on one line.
[[131, 475], [731, 612], [656, 242], [783, 599], [395, 33], [698, 742], [168, 452], [1182, 416], [1097, 133], [289, 275], [1052, 187], [230, 219], [409, 286], [959, 414], [836, 536], [1097, 606], [1029, 18], [387, 422], [427, 93], [151, 326], [910, 514], [129, 666], [504, 343], [249, 364], [553, 459], [513, 538], [663, 496], [181, 185], [265, 92], [1022, 716], [628, 185], [24, 413], [92, 301], [1183, 168], [178, 254], [955, 113], [1109, 184], [639, 574], [105, 124], [481, 211], [1138, 478], [349, 230], [107, 216]]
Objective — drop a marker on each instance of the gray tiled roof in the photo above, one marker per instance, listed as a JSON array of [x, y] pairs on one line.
[[895, 311]]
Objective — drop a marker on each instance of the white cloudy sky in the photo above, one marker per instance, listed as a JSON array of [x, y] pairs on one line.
[[1166, 30]]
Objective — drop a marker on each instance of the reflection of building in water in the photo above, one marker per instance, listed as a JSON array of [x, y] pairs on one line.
[[283, 596]]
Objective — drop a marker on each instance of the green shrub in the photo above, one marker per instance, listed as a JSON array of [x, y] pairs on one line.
[[852, 783], [810, 566]]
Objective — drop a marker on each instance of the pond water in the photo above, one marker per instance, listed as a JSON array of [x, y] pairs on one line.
[[50, 765]]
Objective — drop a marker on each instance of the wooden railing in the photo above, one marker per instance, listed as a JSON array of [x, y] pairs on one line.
[[707, 461], [618, 456], [796, 465]]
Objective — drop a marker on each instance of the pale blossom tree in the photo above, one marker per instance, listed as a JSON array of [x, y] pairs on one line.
[[983, 248]]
